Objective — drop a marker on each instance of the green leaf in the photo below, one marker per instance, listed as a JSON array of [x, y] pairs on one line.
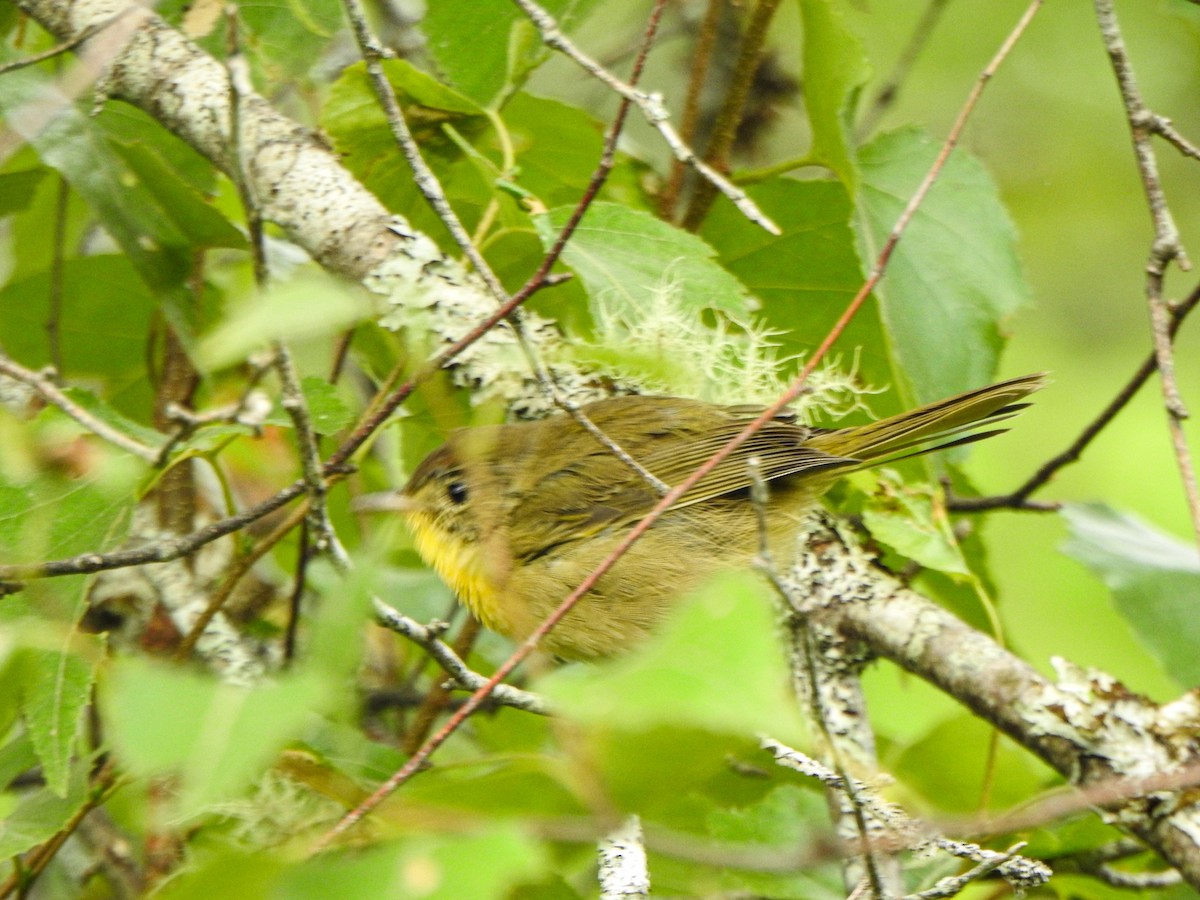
[[127, 126], [105, 316], [716, 665], [788, 816], [835, 68], [14, 507], [216, 737], [907, 521], [55, 689], [359, 130], [16, 756], [232, 876], [140, 220], [326, 409], [558, 147], [954, 278], [625, 256], [18, 188], [289, 36], [948, 765], [1154, 578], [42, 814], [431, 867], [87, 516], [806, 276], [506, 785], [484, 46]]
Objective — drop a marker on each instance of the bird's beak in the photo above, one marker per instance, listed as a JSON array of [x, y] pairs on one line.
[[386, 501]]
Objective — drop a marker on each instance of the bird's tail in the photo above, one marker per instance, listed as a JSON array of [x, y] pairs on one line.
[[935, 426]]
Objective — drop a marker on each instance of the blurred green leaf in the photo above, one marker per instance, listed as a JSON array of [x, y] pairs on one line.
[[507, 785], [625, 256], [309, 305], [216, 737], [151, 220], [55, 689], [14, 506], [954, 278], [41, 814], [16, 756], [476, 44], [716, 664], [233, 876], [18, 188], [949, 765], [1154, 578], [449, 867], [105, 317], [787, 818], [835, 68]]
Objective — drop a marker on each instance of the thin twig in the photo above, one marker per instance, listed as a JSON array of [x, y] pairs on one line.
[[652, 108], [160, 551], [1163, 127], [1019, 499], [251, 410], [438, 697], [954, 885], [43, 383], [57, 273], [1165, 248], [452, 663], [54, 51], [901, 830], [293, 402]]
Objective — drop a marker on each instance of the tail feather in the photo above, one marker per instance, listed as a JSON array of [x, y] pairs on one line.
[[926, 428]]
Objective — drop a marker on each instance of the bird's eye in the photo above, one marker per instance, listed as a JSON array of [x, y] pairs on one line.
[[457, 491]]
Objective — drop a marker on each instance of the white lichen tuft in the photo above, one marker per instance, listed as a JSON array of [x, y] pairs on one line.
[[660, 346], [671, 349]]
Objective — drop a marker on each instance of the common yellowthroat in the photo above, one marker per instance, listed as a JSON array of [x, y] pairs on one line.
[[513, 517]]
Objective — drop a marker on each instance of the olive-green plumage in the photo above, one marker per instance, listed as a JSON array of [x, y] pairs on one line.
[[514, 517]]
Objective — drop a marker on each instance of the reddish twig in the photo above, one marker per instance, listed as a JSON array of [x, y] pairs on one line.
[[421, 757]]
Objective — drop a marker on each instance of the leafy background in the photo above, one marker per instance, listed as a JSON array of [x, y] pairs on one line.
[[1037, 239]]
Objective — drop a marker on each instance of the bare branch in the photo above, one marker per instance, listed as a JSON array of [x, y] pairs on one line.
[[1165, 248]]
